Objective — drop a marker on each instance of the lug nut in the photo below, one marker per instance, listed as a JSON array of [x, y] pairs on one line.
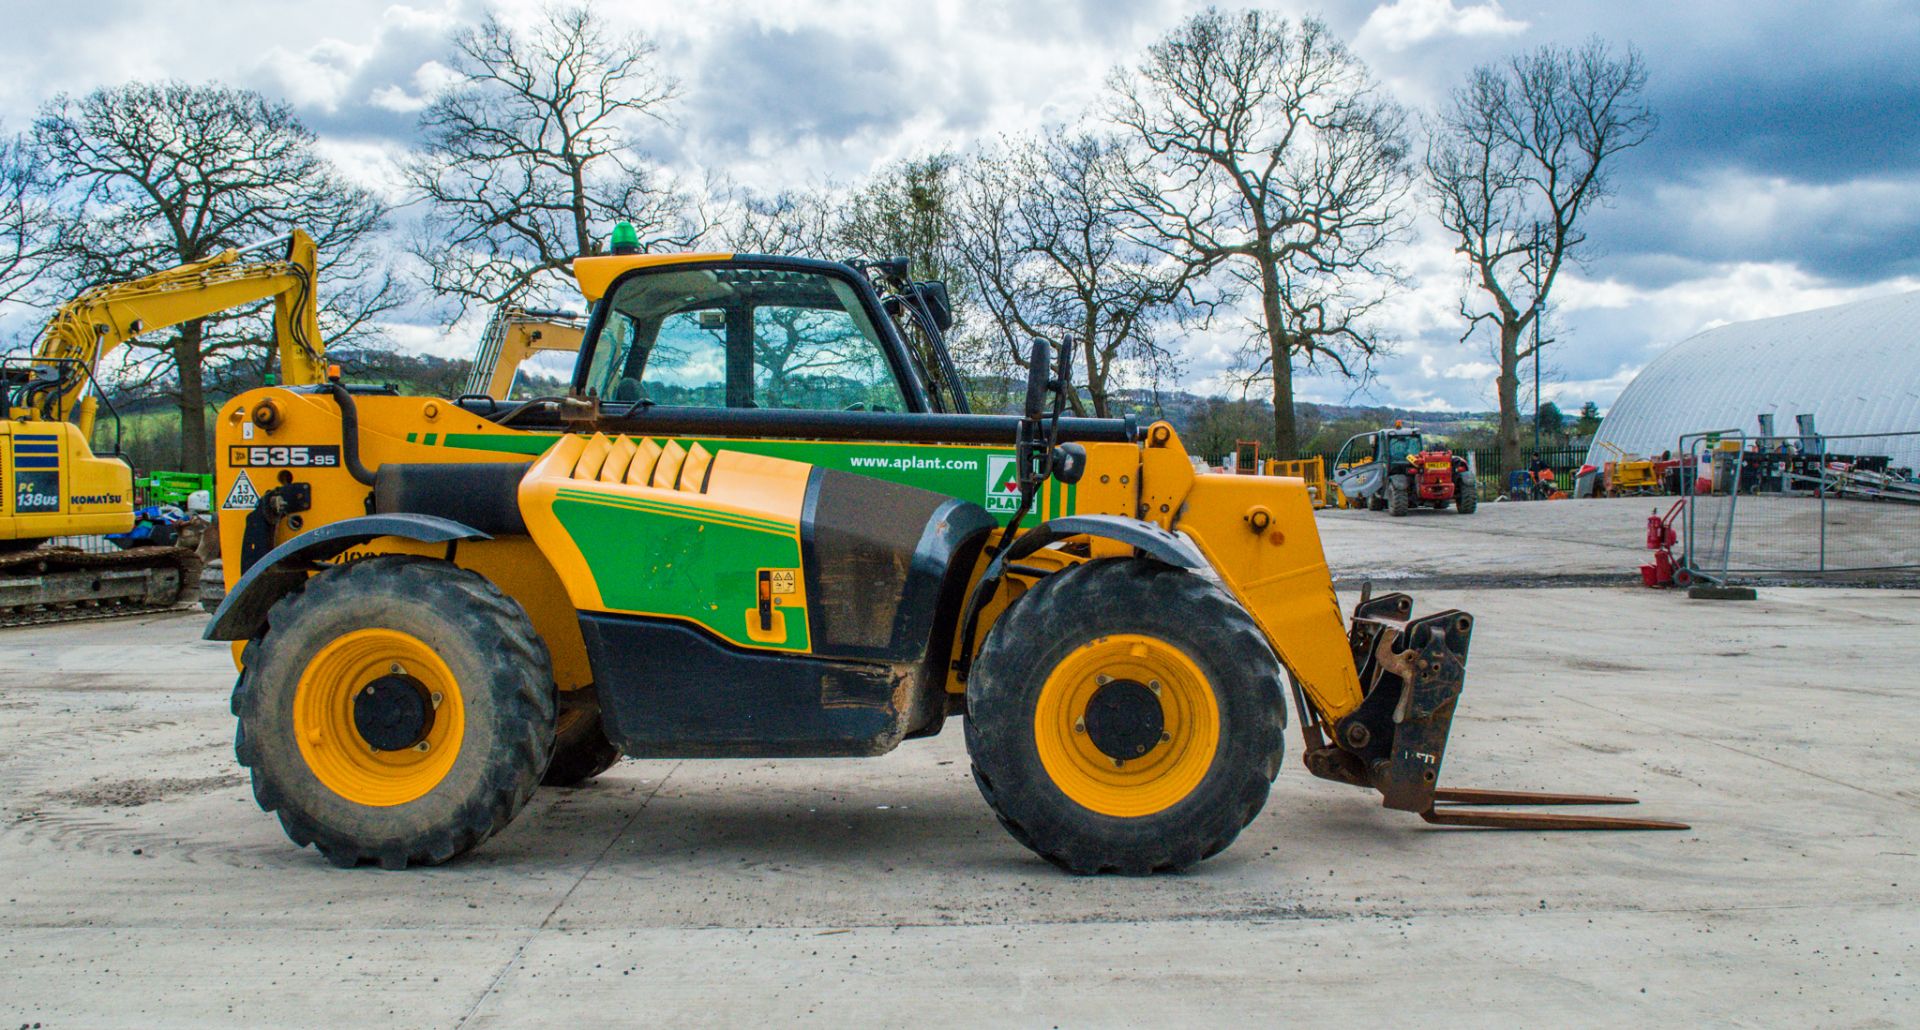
[[1153, 685], [436, 699], [396, 669], [1103, 679], [1079, 725], [421, 747]]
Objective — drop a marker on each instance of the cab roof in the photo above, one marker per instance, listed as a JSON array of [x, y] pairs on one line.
[[596, 274]]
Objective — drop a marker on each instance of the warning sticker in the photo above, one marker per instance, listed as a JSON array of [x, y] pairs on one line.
[[783, 581], [243, 495]]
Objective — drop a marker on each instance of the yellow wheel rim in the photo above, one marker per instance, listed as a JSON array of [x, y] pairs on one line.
[[1169, 768], [323, 718]]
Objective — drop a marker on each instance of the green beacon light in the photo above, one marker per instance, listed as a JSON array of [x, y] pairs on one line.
[[625, 240]]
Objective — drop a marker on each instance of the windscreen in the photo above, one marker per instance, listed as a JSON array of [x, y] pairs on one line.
[[741, 337]]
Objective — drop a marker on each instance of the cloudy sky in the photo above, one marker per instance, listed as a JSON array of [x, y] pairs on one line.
[[1785, 174]]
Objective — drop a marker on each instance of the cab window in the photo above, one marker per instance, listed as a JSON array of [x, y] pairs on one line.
[[1356, 451], [741, 338]]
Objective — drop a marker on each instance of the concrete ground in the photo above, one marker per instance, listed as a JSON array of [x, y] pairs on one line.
[[143, 887], [1590, 541]]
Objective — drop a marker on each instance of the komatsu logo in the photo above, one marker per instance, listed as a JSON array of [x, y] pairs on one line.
[[96, 499]]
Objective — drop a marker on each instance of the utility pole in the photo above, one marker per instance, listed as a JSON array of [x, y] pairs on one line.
[[1538, 311]]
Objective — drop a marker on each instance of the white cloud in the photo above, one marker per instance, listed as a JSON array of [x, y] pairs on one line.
[[389, 67], [1405, 23], [425, 82], [1473, 370]]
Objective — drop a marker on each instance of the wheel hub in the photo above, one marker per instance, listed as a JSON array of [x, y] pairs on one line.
[[393, 713], [1124, 719]]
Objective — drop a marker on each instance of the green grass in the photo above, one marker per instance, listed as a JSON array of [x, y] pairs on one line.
[[149, 440]]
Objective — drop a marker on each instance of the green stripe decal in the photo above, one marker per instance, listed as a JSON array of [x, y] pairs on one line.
[[683, 562], [506, 443], [685, 511]]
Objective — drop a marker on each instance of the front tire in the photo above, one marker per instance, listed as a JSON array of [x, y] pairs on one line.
[[1125, 716], [398, 710], [1396, 498]]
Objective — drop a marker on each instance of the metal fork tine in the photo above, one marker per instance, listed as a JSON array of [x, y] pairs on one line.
[[1543, 821], [1471, 796]]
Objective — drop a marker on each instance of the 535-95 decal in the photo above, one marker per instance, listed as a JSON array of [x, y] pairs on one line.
[[292, 456]]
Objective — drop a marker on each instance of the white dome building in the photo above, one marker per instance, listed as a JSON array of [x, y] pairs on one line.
[[1854, 367]]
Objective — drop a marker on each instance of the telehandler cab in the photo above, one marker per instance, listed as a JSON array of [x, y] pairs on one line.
[[762, 524]]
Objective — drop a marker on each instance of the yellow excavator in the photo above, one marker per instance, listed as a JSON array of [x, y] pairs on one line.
[[60, 488]]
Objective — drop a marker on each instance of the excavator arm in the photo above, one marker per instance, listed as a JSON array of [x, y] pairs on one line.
[[100, 319], [512, 336]]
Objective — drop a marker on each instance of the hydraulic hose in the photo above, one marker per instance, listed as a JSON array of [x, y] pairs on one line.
[[350, 435]]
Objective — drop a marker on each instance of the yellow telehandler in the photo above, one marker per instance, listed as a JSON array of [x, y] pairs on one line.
[[762, 523]]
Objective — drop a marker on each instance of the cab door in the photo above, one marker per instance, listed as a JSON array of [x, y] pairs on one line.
[[1356, 469]]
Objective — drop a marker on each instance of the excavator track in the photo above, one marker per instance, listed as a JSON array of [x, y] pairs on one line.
[[66, 584]]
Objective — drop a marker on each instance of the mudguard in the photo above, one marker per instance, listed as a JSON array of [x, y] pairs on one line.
[[1169, 547], [282, 570]]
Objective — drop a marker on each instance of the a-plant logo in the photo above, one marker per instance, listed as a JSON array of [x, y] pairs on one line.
[[1003, 484]]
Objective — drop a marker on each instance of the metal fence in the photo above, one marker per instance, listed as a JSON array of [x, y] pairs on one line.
[[1791, 507]]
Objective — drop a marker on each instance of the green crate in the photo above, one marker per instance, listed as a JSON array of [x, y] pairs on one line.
[[173, 487]]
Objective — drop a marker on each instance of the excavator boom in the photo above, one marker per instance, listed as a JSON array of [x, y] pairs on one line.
[[102, 318]]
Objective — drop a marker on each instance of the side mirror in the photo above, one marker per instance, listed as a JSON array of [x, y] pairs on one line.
[[1038, 373], [938, 302]]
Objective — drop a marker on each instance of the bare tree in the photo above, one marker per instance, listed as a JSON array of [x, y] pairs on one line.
[[154, 175], [25, 233], [1522, 151], [908, 209], [1043, 235], [1270, 154], [529, 154], [800, 223]]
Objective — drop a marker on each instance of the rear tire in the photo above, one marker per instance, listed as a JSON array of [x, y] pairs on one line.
[[1044, 720], [1396, 498], [581, 749], [398, 710], [1466, 495]]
